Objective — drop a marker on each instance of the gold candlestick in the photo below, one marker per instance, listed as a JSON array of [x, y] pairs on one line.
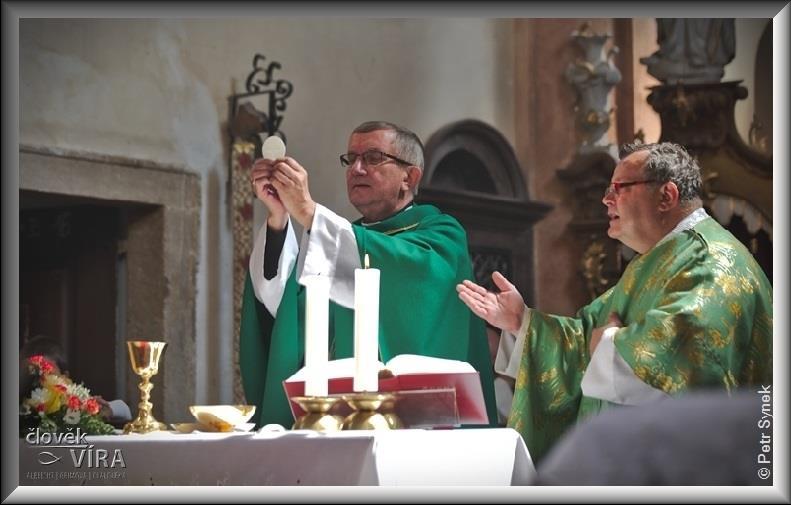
[[317, 415], [372, 411], [144, 357]]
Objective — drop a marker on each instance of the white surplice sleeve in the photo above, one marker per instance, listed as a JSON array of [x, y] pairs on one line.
[[270, 292], [509, 352], [330, 248], [609, 377]]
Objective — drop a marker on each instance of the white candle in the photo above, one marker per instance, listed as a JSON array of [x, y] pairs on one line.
[[366, 329], [316, 339]]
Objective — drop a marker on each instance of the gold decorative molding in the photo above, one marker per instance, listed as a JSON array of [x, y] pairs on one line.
[[592, 268], [736, 175], [587, 176], [758, 137]]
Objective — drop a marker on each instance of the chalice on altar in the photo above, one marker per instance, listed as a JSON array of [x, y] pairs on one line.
[[144, 357]]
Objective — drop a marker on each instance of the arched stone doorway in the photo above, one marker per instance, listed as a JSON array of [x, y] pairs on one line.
[[472, 174]]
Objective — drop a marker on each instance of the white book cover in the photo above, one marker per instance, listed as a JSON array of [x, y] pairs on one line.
[[403, 364]]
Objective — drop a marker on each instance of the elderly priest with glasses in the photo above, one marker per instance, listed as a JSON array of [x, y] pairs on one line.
[[421, 252]]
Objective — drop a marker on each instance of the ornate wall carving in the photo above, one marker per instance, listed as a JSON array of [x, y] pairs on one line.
[[588, 174], [586, 177], [737, 177], [593, 77]]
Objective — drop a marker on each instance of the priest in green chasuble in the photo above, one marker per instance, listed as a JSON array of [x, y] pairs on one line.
[[692, 310], [421, 254]]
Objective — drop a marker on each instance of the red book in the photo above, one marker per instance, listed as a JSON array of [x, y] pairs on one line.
[[430, 392]]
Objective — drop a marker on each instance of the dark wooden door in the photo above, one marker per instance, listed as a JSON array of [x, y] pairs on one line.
[[67, 282]]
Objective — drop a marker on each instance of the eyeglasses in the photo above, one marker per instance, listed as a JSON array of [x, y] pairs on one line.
[[616, 187], [370, 158]]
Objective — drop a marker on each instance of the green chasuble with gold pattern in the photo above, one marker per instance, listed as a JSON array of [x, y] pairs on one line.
[[422, 255], [696, 312]]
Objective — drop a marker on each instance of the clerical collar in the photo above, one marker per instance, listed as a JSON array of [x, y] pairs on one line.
[[409, 206], [687, 223]]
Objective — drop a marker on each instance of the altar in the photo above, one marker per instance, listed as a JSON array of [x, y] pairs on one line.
[[412, 457]]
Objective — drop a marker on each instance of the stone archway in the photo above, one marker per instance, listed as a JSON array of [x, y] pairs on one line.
[[472, 174]]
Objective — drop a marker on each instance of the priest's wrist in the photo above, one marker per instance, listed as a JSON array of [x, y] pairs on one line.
[[277, 222], [305, 214], [516, 322]]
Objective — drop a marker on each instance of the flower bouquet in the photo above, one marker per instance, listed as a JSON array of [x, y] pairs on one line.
[[56, 404]]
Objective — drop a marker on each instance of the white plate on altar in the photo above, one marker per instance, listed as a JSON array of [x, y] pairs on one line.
[[202, 428], [222, 417]]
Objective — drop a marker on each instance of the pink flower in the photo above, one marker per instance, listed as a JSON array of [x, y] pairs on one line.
[[44, 365], [92, 406], [73, 403], [60, 403]]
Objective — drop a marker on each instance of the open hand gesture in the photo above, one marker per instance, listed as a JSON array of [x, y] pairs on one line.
[[502, 310]]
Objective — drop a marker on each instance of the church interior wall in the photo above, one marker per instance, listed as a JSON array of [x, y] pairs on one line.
[[158, 90]]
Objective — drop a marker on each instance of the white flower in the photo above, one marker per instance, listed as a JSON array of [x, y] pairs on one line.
[[78, 390], [71, 416], [39, 396]]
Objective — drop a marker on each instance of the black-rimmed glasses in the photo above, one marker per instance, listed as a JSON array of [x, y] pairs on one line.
[[616, 187], [371, 157]]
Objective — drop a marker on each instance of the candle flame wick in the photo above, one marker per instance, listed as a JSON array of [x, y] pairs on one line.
[[367, 261]]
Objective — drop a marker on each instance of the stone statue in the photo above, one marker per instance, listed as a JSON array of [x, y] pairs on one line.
[[692, 51]]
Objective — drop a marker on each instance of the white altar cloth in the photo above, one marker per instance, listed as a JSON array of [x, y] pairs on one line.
[[478, 457]]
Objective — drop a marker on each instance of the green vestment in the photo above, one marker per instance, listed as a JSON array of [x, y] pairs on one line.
[[696, 312], [422, 255]]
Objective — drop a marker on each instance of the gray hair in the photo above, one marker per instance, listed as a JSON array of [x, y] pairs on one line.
[[669, 162], [407, 144]]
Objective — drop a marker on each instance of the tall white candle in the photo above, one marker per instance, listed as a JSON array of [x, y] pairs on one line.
[[366, 329], [316, 334]]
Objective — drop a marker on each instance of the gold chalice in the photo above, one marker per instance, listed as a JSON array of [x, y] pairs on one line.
[[144, 357]]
